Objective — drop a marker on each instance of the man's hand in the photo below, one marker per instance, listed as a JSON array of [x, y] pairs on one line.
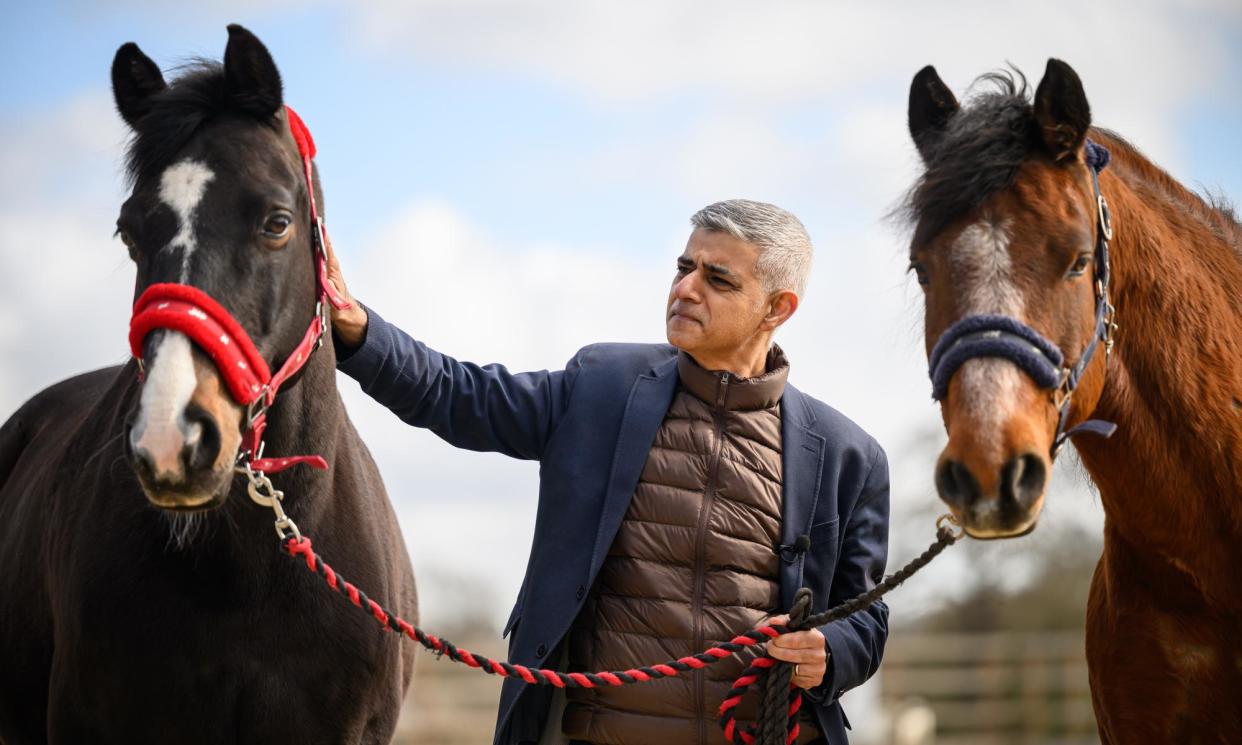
[[807, 650], [350, 322]]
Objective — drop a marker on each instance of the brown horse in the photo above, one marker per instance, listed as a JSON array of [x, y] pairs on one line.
[[1009, 241], [145, 598]]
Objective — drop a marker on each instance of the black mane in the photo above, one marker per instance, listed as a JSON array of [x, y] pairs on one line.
[[977, 155], [196, 96]]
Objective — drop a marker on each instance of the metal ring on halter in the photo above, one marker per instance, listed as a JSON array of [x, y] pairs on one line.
[[1063, 392], [257, 408]]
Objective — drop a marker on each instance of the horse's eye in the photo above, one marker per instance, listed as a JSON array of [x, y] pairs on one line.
[[276, 225], [920, 271], [1080, 265], [129, 242]]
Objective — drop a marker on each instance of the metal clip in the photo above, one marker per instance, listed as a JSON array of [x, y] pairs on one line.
[[285, 527], [947, 519], [262, 492]]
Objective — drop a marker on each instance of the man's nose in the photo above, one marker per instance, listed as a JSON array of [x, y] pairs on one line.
[[687, 287]]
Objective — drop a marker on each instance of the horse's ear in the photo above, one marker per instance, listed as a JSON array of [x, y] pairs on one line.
[[932, 104], [1061, 110], [250, 74], [135, 78]]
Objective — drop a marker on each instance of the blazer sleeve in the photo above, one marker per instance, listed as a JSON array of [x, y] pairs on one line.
[[856, 643], [485, 408]]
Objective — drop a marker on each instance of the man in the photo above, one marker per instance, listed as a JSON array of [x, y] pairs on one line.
[[686, 492]]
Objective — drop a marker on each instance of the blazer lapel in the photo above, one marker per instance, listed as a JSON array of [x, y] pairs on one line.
[[649, 400], [802, 459]]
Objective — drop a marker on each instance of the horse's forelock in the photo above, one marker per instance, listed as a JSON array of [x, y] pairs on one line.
[[978, 153], [197, 95]]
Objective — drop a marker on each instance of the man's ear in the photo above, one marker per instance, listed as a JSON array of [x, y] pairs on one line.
[[780, 307]]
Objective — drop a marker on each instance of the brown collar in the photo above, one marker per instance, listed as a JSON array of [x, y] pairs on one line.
[[723, 389]]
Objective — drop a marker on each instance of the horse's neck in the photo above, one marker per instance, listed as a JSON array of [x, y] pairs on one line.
[[308, 418], [1171, 477]]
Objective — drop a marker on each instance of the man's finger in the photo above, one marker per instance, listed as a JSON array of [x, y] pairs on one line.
[[772, 621], [800, 639], [809, 676], [798, 655]]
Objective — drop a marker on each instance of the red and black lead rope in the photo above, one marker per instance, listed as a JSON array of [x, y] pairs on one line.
[[301, 548]]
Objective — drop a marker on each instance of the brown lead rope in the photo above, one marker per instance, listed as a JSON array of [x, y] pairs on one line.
[[777, 721]]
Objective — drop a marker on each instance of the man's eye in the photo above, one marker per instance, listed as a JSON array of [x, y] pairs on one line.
[[682, 269], [720, 282]]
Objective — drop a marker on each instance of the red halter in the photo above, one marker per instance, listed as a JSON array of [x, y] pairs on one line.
[[196, 314]]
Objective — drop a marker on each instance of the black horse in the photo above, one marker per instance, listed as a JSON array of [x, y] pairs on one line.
[[145, 597]]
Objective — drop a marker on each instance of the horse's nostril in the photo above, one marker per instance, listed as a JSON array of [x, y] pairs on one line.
[[139, 458], [1023, 479], [202, 440], [955, 483]]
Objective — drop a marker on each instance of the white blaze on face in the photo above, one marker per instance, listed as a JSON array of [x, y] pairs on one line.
[[161, 429], [181, 188], [980, 258]]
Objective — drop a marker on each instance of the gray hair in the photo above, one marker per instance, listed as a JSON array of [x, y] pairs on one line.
[[784, 246]]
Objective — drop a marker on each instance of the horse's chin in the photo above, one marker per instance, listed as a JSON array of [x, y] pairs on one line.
[[995, 529], [995, 534], [200, 495]]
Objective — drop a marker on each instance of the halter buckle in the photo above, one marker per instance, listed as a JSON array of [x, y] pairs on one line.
[[1110, 327], [321, 311], [1105, 217], [317, 235]]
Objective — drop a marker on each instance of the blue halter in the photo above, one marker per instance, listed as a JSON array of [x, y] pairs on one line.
[[1008, 338]]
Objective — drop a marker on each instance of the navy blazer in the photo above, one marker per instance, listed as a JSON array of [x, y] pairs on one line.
[[590, 426]]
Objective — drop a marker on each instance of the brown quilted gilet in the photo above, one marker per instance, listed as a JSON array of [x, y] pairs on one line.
[[694, 561]]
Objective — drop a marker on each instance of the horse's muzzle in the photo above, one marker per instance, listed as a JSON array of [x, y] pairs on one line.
[[991, 502]]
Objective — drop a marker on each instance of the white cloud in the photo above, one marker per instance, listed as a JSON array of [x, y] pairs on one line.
[[67, 283], [804, 98], [1134, 56]]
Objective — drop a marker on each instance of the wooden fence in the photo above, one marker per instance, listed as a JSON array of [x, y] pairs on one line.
[[994, 688]]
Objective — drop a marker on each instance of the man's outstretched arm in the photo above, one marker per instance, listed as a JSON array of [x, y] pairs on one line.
[[469, 406]]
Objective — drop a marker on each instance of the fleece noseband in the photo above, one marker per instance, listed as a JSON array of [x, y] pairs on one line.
[[205, 321], [1008, 338]]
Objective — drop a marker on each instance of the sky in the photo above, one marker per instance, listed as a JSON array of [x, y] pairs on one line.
[[510, 181]]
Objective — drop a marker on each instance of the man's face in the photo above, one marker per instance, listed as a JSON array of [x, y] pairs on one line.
[[716, 303]]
